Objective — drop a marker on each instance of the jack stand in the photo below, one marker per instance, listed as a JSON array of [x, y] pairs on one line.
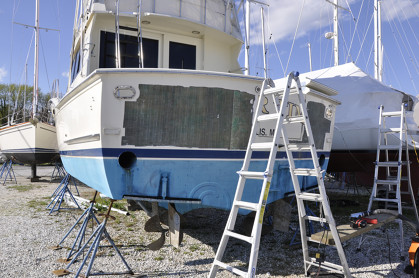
[[89, 214], [59, 193], [7, 171], [99, 233], [59, 171], [67, 179]]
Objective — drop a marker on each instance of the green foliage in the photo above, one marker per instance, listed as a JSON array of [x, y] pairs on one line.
[[12, 100]]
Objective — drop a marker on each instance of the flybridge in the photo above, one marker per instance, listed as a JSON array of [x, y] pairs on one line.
[[221, 15]]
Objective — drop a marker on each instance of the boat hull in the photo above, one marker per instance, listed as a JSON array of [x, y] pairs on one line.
[[29, 144], [207, 178], [181, 137]]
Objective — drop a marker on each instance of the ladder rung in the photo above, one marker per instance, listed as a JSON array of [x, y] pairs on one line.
[[305, 172], [390, 130], [389, 147], [254, 175], [326, 265], [268, 117], [248, 239], [310, 196], [392, 114], [402, 178], [315, 218], [388, 163], [274, 91], [387, 181], [294, 120], [230, 268], [267, 146], [386, 200], [247, 205], [299, 147]]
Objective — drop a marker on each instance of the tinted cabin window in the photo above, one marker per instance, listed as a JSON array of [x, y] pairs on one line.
[[75, 65], [129, 51], [182, 56]]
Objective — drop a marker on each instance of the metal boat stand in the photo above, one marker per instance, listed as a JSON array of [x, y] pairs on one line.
[[6, 171], [59, 194], [89, 216], [95, 239], [59, 171]]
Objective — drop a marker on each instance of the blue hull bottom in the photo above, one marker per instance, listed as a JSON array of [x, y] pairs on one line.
[[211, 181]]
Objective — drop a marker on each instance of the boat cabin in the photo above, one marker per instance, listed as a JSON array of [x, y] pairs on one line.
[[179, 34]]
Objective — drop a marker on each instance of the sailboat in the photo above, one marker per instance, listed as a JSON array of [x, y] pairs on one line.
[[158, 108], [356, 124], [35, 141]]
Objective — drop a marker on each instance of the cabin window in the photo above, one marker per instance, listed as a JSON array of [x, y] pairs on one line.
[[182, 56], [129, 51], [75, 65]]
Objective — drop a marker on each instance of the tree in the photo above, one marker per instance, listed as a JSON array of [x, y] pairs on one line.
[[12, 106]]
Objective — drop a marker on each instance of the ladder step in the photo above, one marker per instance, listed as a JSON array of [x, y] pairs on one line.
[[299, 147], [386, 200], [309, 196], [387, 163], [390, 130], [315, 218], [402, 178], [390, 181], [268, 117], [254, 175], [230, 268], [389, 147], [246, 205], [267, 146], [248, 239], [305, 172], [326, 265], [392, 114], [294, 120], [272, 91]]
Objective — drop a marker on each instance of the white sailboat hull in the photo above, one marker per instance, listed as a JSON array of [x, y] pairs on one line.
[[29, 144]]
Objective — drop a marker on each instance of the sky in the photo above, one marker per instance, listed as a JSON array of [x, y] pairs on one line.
[[289, 27]]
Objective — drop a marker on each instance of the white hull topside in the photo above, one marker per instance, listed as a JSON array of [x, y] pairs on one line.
[[28, 143], [91, 117]]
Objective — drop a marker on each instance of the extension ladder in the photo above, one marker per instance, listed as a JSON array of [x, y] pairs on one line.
[[393, 165], [281, 117]]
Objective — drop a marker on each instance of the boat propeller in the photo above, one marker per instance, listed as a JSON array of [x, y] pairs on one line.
[[169, 229]]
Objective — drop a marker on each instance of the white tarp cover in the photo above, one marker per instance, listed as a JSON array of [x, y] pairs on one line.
[[357, 117], [360, 95]]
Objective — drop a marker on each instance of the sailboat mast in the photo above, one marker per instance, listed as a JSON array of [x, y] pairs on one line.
[[336, 32], [35, 81], [378, 67]]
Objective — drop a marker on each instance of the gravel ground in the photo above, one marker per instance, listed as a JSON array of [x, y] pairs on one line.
[[27, 232]]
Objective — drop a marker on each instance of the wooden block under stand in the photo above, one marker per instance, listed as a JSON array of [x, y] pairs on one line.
[[346, 231]]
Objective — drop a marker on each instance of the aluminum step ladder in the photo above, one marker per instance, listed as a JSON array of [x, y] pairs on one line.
[[281, 118], [393, 165]]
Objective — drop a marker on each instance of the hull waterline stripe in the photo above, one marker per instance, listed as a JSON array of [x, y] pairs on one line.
[[176, 154]]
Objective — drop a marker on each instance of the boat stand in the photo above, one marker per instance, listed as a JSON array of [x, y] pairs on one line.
[[59, 171], [88, 216], [59, 194], [6, 171], [95, 239]]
